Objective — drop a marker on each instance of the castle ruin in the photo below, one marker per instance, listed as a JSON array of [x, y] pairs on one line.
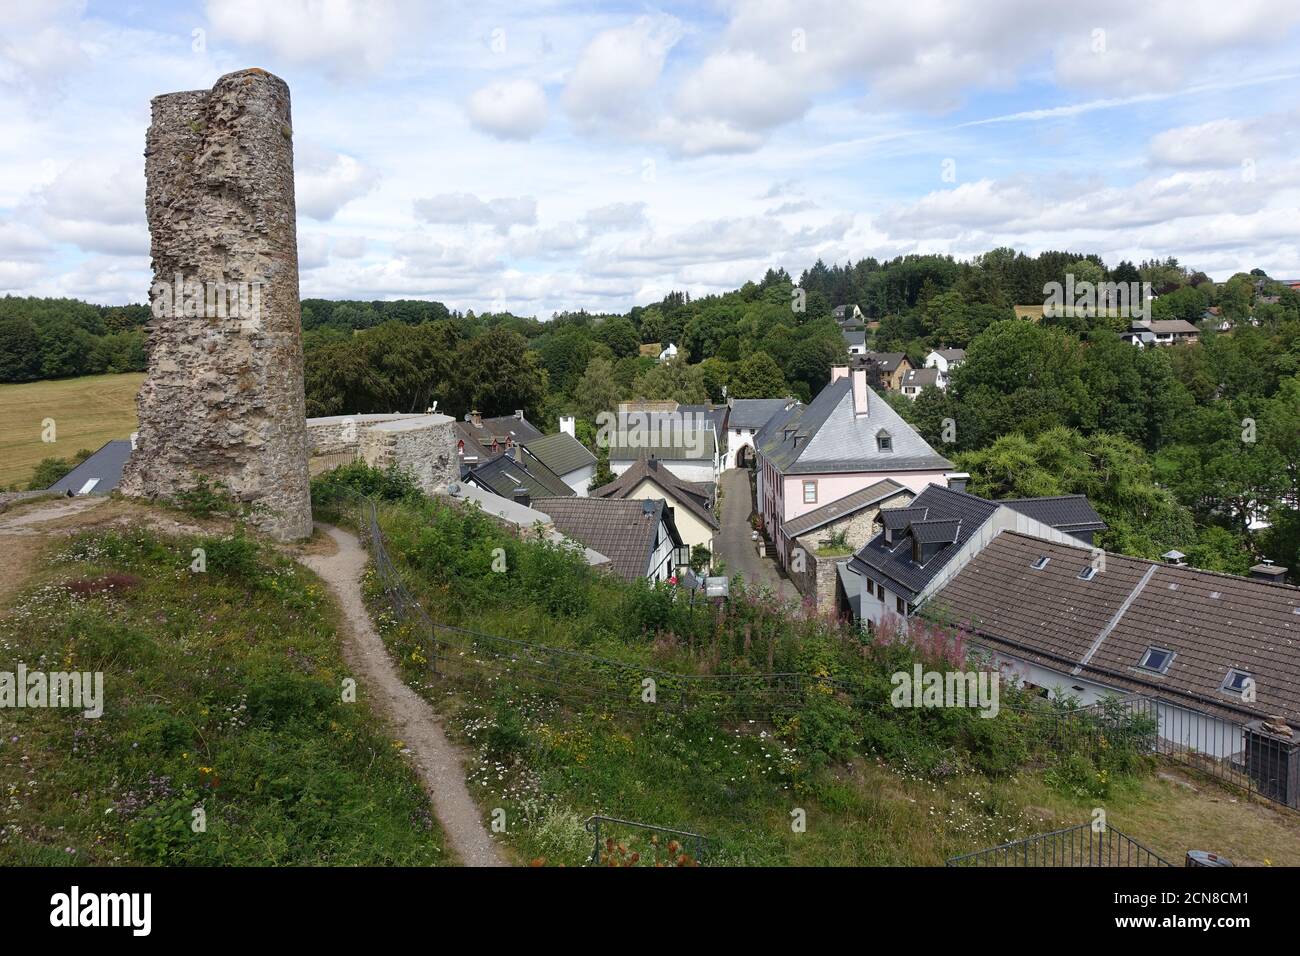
[[223, 396]]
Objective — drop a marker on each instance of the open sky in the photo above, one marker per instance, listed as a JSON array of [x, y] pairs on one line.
[[548, 156]]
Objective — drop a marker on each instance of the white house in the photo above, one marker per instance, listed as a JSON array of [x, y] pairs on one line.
[[745, 416], [669, 353], [944, 360]]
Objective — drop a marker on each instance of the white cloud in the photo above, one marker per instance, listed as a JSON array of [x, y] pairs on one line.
[[466, 209], [347, 38], [509, 109], [324, 181], [617, 68], [615, 217]]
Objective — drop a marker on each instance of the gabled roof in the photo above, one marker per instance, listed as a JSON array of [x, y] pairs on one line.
[[1067, 513], [1167, 327], [952, 355], [920, 377], [104, 467], [622, 529], [827, 437], [754, 412], [1100, 628], [478, 438], [854, 338], [561, 452], [504, 475], [698, 444], [693, 496], [862, 498], [888, 361], [893, 561]]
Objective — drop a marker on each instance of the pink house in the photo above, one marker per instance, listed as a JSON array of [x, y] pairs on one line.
[[846, 439]]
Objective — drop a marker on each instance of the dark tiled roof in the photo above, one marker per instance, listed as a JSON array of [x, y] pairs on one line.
[[854, 338], [953, 355], [888, 361], [894, 561], [507, 426], [827, 437], [754, 412], [503, 476], [698, 445], [937, 531], [622, 529], [921, 377], [1063, 512], [1100, 628], [106, 465], [862, 498], [697, 499], [561, 452]]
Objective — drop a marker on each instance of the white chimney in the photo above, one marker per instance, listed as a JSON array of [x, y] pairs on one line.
[[859, 376], [567, 425], [838, 372]]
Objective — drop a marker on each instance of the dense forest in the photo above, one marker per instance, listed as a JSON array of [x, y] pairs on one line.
[[1182, 447]]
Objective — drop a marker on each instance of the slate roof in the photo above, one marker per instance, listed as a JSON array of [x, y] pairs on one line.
[[825, 436], [695, 497], [862, 498], [1100, 628], [561, 452], [888, 361], [622, 529], [754, 412], [920, 377], [106, 465], [506, 426], [893, 562], [696, 445], [854, 338], [503, 476], [1068, 513], [953, 355]]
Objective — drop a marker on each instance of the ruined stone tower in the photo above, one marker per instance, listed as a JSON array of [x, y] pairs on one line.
[[224, 392]]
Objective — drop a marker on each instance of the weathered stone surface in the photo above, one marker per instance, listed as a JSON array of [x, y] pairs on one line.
[[424, 446], [224, 395]]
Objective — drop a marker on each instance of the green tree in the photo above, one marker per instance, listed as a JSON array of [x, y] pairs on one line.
[[758, 377]]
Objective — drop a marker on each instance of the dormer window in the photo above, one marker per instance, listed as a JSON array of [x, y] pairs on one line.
[[884, 441], [1156, 659]]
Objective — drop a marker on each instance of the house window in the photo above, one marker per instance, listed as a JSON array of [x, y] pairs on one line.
[[1041, 563], [884, 441], [810, 492], [901, 605], [1088, 573], [1156, 659], [1235, 682]]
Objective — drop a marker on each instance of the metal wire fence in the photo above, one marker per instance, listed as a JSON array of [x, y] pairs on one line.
[[1234, 753]]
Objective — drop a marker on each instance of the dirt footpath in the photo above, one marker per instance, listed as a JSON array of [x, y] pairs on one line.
[[438, 761]]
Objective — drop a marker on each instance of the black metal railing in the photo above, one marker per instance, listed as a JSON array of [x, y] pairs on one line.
[[1084, 845], [648, 844]]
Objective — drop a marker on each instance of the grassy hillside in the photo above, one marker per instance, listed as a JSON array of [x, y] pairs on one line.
[[875, 785], [222, 692], [87, 412]]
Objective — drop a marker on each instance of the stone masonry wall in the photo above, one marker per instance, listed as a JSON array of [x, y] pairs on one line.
[[818, 577], [224, 396], [424, 446]]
